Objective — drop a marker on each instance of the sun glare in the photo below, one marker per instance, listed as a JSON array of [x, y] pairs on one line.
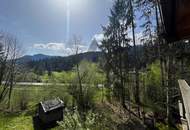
[[75, 6]]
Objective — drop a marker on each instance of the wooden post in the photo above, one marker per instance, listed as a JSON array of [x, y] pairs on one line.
[[180, 108]]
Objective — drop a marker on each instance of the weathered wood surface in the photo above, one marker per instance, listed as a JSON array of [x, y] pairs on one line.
[[185, 91], [51, 84]]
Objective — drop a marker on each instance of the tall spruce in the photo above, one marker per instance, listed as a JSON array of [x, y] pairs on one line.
[[115, 47], [1, 52], [147, 9], [131, 12]]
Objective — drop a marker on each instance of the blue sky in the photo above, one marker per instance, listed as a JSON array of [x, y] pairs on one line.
[[42, 25]]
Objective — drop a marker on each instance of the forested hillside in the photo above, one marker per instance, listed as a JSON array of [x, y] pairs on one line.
[[58, 63]]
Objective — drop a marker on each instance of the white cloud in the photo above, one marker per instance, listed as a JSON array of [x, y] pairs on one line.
[[39, 46], [50, 46], [99, 38], [60, 48]]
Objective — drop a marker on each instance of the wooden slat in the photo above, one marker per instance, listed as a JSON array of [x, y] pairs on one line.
[[185, 91], [180, 108]]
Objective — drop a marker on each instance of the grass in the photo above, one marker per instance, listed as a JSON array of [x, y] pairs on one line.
[[33, 95], [161, 126], [15, 122]]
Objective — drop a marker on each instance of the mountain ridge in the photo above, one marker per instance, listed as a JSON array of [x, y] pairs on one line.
[[58, 63]]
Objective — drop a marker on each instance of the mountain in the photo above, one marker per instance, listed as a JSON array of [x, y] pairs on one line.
[[36, 57], [40, 63], [40, 57]]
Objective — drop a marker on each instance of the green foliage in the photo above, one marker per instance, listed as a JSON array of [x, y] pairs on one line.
[[152, 81], [91, 73], [45, 78], [155, 94], [161, 126], [27, 77], [73, 121], [58, 77], [90, 76], [154, 75]]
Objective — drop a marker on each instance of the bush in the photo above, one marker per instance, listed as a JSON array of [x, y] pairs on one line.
[[73, 121]]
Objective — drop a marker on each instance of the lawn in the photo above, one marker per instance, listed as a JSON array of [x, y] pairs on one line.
[[15, 122]]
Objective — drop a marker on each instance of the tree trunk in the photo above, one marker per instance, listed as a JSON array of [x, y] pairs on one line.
[[137, 94]]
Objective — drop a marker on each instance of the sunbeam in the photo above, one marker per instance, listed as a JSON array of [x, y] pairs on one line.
[[68, 20]]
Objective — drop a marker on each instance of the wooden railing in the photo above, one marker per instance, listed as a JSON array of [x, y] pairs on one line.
[[185, 92]]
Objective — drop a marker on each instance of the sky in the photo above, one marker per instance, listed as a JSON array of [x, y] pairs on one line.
[[46, 26]]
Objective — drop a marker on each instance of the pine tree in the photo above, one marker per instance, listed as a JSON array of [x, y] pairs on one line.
[[131, 12], [115, 46], [1, 61], [147, 9]]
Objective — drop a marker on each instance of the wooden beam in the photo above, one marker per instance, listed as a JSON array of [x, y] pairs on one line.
[[176, 20], [185, 92]]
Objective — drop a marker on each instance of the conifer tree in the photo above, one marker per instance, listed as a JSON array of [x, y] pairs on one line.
[[115, 46]]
